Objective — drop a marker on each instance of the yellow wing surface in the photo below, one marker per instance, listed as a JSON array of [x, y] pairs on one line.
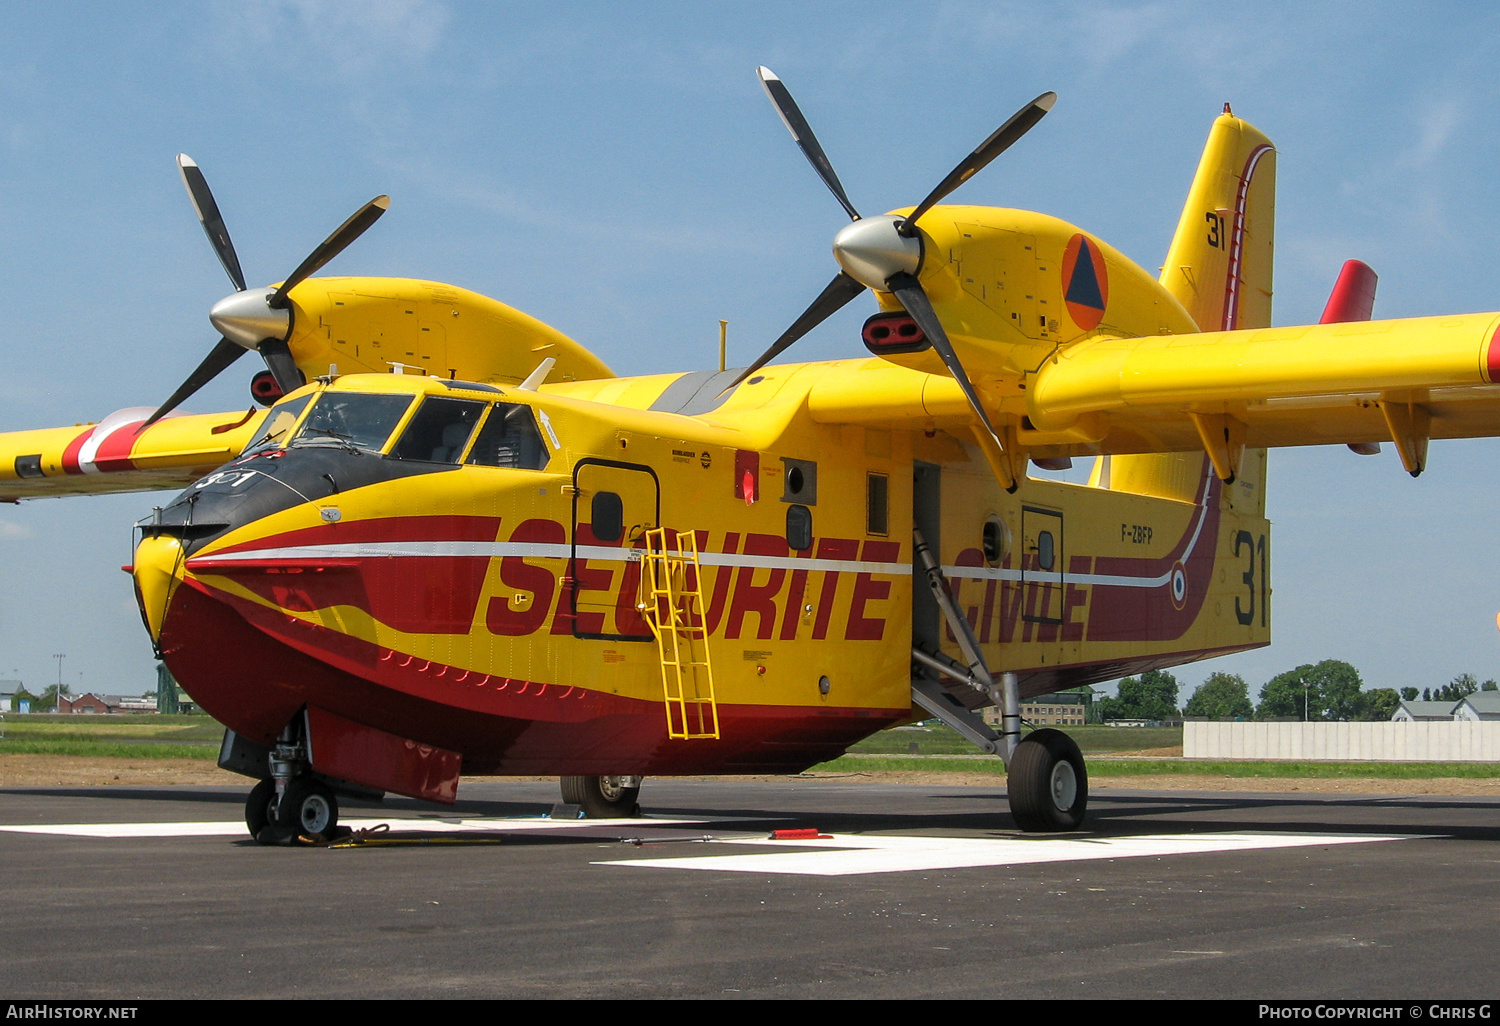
[[1397, 380], [115, 456]]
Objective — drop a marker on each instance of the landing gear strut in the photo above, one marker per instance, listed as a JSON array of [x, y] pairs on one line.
[[603, 797], [1046, 781], [292, 802]]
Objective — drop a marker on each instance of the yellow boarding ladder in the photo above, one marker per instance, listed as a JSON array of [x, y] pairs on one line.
[[674, 609]]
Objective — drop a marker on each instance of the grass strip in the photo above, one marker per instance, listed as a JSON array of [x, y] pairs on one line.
[[108, 749], [1182, 767], [76, 731]]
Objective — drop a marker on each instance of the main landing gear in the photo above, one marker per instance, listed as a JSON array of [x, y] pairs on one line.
[[603, 797], [1047, 782]]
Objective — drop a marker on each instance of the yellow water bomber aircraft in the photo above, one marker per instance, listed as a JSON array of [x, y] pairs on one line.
[[503, 559]]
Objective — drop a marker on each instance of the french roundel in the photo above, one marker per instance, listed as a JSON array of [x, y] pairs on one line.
[[1085, 282]]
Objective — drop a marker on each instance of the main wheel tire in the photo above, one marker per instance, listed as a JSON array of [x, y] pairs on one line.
[[309, 807], [1048, 784], [601, 797], [260, 807]]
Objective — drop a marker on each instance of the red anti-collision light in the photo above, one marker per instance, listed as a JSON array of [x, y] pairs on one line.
[[893, 333]]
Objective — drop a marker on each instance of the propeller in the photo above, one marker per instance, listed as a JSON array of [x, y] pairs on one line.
[[254, 319], [884, 253]]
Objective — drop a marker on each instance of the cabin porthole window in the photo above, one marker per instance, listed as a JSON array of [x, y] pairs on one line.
[[1046, 551], [995, 541]]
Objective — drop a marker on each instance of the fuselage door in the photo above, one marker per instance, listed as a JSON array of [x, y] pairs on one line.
[[1041, 565], [614, 505]]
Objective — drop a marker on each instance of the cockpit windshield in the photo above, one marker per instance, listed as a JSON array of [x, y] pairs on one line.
[[278, 423], [356, 419]]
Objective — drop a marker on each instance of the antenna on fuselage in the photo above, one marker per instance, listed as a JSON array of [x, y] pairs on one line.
[[535, 378]]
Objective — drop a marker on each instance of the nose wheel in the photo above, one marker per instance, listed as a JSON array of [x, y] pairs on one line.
[[260, 807], [308, 807], [603, 797]]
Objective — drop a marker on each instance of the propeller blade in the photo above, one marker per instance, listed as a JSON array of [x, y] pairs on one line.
[[907, 289], [279, 361], [1019, 124], [208, 216], [331, 247], [802, 134], [221, 356], [833, 298]]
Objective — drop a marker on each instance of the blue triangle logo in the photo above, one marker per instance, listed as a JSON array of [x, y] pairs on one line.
[[1083, 289]]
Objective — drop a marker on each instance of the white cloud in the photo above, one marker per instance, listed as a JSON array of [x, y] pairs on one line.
[[353, 40], [14, 532]]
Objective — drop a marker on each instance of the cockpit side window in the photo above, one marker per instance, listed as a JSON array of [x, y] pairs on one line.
[[359, 419], [279, 423], [439, 431], [509, 438]]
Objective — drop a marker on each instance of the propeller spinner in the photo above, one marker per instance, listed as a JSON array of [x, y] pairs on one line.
[[255, 319], [884, 253]]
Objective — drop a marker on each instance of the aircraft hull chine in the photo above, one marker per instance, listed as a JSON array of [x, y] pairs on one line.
[[500, 726]]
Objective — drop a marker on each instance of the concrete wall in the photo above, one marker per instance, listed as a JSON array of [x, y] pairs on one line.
[[1360, 742]]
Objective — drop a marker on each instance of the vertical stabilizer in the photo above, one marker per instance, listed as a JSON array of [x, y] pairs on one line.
[[1219, 265]]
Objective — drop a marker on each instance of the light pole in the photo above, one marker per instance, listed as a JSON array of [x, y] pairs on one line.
[[57, 697]]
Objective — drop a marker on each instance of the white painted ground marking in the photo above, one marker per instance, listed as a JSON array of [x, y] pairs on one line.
[[849, 855], [398, 826]]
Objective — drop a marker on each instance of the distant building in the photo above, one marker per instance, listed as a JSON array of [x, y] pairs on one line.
[[170, 698], [1481, 705], [85, 704], [104, 705], [1423, 712], [13, 695], [1065, 708]]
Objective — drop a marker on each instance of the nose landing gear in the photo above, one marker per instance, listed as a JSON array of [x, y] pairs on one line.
[[308, 807], [603, 797], [292, 803]]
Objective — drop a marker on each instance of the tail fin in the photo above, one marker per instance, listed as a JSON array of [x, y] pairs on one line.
[[1219, 265]]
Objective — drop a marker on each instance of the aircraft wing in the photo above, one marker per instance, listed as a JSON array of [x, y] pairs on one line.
[[1367, 381], [114, 456]]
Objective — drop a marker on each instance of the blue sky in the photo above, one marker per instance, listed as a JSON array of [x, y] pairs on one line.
[[616, 171]]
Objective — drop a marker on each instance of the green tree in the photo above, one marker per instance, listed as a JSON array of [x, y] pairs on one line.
[[1329, 690], [1408, 694], [1221, 696], [1151, 696], [1380, 703], [1456, 690], [1489, 685], [48, 701]]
